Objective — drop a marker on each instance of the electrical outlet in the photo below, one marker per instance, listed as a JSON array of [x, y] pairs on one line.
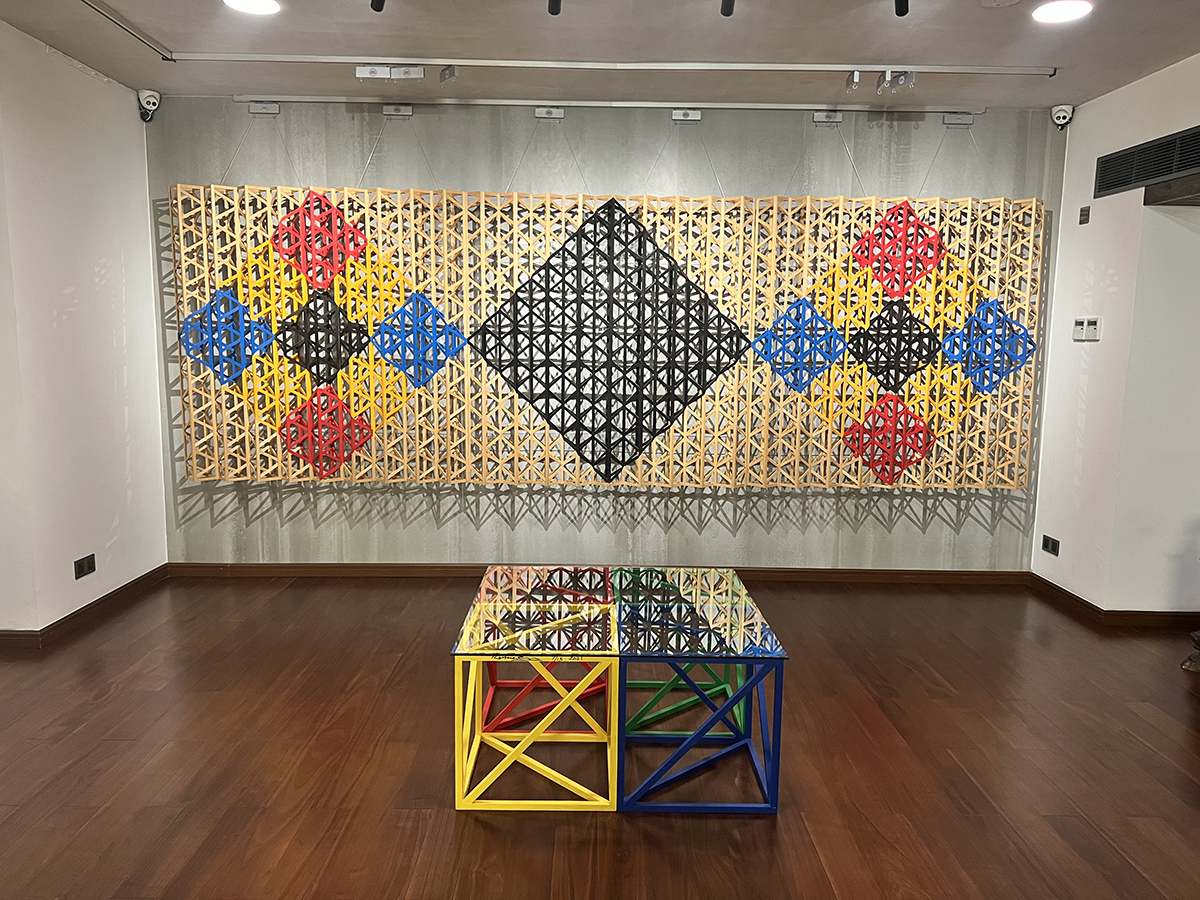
[[1085, 215], [85, 566], [1050, 545]]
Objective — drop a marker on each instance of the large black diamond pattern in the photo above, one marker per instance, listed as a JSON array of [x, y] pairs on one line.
[[322, 338], [895, 346], [609, 340]]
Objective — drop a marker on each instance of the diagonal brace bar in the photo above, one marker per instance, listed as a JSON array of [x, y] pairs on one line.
[[738, 696]]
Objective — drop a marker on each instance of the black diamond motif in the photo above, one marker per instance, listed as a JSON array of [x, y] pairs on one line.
[[322, 338], [895, 346], [609, 340]]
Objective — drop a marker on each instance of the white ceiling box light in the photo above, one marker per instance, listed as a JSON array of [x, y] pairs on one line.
[[255, 7], [1058, 11]]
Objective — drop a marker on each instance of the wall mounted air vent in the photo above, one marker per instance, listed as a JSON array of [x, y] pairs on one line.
[[1149, 163]]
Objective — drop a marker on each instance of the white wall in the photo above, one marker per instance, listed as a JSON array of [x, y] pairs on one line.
[[1156, 527], [18, 609], [79, 352], [1122, 504]]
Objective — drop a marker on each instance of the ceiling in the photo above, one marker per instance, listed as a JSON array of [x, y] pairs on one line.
[[1121, 41]]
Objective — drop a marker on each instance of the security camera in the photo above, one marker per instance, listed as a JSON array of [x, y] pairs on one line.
[[147, 103], [1062, 116]]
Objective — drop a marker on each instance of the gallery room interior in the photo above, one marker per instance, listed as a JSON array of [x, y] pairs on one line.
[[599, 448]]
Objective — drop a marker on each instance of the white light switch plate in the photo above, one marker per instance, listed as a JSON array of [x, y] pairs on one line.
[[1087, 329]]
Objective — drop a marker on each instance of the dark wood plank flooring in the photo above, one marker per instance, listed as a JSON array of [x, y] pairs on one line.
[[264, 738]]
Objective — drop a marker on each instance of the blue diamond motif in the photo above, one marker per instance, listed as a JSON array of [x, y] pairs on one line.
[[222, 335], [418, 340], [801, 345], [989, 347]]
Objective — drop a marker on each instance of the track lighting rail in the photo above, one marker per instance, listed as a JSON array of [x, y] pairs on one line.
[[604, 65]]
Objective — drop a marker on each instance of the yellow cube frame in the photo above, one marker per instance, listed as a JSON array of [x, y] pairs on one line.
[[471, 689], [539, 618]]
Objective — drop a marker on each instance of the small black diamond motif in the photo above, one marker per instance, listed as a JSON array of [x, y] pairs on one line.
[[894, 347], [609, 340], [322, 338]]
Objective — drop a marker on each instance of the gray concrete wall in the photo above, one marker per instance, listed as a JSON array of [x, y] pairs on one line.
[[1010, 153]]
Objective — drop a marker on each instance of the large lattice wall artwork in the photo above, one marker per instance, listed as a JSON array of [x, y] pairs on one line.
[[418, 336]]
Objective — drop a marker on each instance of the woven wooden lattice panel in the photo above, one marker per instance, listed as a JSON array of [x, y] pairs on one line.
[[874, 400]]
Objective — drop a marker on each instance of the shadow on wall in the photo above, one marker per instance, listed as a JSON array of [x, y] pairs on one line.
[[1185, 588], [612, 509]]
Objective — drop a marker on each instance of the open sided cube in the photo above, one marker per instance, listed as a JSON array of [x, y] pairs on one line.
[[535, 684], [701, 694]]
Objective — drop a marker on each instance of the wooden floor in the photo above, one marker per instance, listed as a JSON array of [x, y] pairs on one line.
[[291, 738]]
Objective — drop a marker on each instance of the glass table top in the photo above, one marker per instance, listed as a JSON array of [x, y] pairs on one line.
[[541, 610], [566, 610]]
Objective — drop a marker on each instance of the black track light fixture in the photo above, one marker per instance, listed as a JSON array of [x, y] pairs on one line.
[[377, 5], [555, 6], [902, 7]]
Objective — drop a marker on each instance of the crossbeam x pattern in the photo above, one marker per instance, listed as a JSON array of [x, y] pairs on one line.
[[472, 702], [748, 720]]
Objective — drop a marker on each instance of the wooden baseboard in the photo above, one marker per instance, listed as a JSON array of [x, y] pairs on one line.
[[20, 640], [1075, 605], [1051, 593], [98, 609], [974, 577], [476, 570]]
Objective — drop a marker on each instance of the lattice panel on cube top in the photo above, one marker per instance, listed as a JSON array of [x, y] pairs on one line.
[[840, 331]]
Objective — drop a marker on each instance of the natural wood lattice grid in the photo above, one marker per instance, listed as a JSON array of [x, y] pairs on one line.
[[468, 251]]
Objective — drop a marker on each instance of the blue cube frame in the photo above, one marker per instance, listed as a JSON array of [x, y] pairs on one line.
[[751, 695]]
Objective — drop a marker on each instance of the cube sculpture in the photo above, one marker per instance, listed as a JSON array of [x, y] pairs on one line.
[[717, 683], [534, 619]]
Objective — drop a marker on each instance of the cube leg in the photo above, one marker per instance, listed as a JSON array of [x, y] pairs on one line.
[[476, 727], [737, 708]]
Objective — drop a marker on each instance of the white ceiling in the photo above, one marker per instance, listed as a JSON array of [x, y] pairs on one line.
[[1121, 41]]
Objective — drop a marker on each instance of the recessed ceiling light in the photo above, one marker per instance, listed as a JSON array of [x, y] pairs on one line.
[[254, 7], [1061, 11]]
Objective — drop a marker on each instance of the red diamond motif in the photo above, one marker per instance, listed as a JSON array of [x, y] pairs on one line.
[[318, 240], [324, 432], [900, 251], [890, 438]]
